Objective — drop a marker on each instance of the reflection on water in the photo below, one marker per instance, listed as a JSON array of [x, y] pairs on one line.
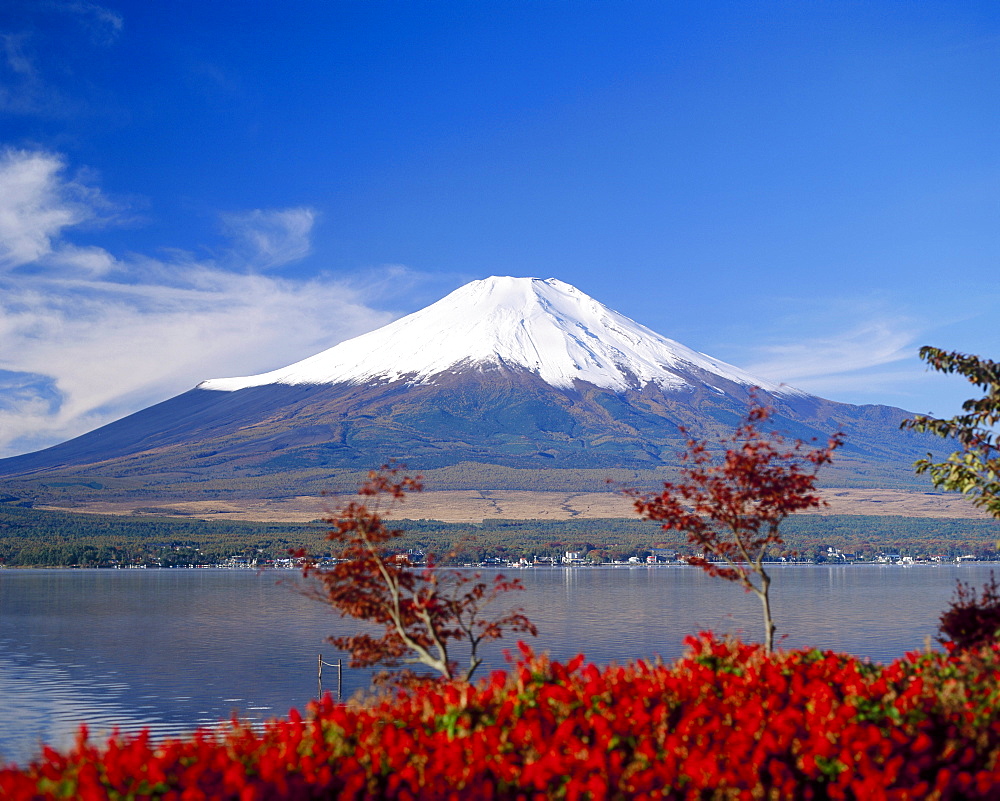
[[172, 649], [165, 649]]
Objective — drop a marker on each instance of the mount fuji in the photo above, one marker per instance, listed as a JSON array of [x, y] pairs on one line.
[[547, 328], [501, 378]]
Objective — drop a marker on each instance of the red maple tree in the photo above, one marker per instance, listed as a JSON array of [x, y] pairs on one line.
[[423, 610], [733, 497]]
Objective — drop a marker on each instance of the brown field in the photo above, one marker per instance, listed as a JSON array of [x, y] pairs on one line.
[[459, 506]]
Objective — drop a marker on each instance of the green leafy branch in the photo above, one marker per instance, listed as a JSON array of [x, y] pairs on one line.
[[975, 469]]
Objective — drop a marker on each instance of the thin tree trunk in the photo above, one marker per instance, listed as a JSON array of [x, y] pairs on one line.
[[765, 598]]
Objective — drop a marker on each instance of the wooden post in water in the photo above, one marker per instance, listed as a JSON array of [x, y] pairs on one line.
[[319, 676]]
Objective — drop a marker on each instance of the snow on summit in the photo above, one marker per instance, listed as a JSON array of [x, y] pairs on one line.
[[545, 326]]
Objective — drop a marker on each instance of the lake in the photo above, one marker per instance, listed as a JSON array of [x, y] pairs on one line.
[[169, 650]]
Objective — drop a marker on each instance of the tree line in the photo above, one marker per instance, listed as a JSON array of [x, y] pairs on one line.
[[40, 538]]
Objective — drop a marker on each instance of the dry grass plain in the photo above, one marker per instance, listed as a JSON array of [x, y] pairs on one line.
[[464, 506]]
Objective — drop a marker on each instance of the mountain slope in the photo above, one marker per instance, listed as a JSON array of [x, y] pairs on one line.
[[510, 372]]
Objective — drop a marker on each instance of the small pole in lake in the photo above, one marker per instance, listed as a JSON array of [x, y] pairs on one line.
[[319, 676]]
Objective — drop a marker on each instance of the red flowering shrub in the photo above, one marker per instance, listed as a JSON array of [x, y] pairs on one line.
[[725, 721]]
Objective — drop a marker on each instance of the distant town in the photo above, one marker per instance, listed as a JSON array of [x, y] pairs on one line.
[[655, 557], [47, 538]]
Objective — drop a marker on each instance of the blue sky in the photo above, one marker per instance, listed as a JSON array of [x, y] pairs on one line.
[[808, 190]]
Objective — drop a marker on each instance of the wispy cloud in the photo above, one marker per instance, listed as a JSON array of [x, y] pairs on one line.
[[272, 237], [864, 345], [86, 337], [34, 59], [22, 90], [869, 356], [103, 24], [12, 46]]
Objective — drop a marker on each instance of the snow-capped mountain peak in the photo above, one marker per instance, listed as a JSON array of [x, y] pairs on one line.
[[544, 326]]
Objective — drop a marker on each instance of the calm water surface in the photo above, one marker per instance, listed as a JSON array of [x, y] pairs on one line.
[[172, 649]]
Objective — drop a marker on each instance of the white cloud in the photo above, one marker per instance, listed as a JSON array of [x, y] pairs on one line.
[[86, 337], [268, 238], [36, 205], [110, 349]]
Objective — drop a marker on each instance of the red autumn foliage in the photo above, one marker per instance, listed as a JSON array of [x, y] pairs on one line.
[[733, 497], [424, 610], [727, 720], [972, 620]]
